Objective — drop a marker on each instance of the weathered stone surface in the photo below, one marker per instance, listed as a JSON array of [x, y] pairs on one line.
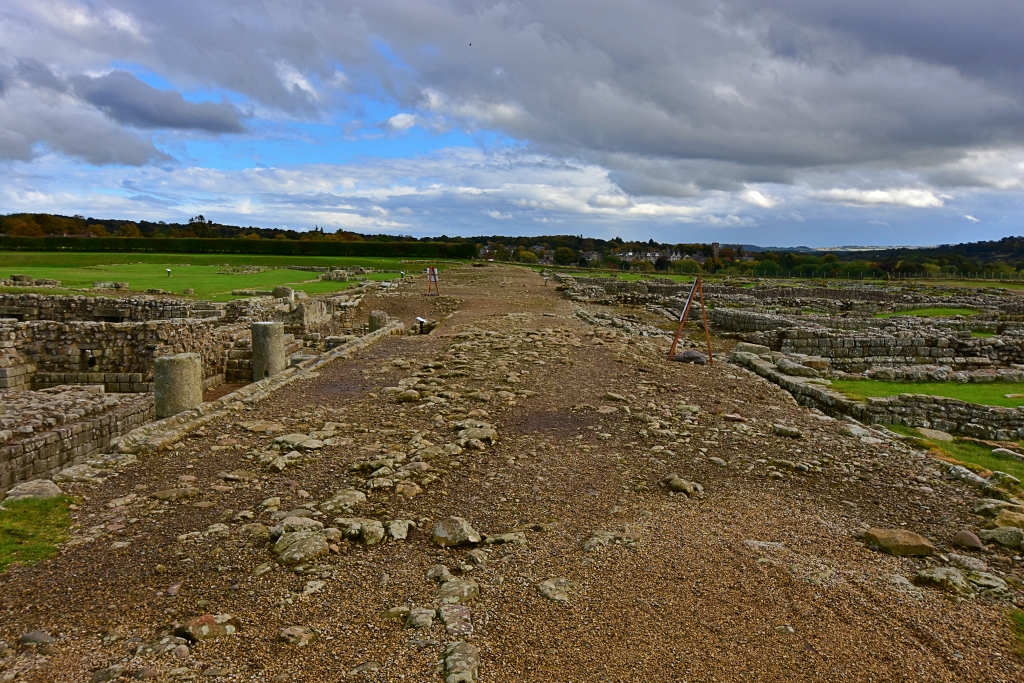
[[935, 434], [378, 319], [398, 529], [453, 531], [419, 617], [512, 538], [291, 524], [300, 547], [946, 579], [298, 636], [691, 356], [965, 538], [175, 495], [461, 662], [267, 350], [177, 383], [39, 488], [458, 591], [439, 573], [557, 589], [1009, 518], [787, 431], [209, 626], [111, 673], [456, 619], [899, 542], [1009, 536], [35, 639], [343, 501]]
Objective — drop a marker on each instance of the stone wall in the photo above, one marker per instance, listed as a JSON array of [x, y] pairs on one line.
[[100, 308], [46, 453], [92, 347], [914, 410]]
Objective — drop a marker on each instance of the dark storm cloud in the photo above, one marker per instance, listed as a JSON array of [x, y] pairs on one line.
[[125, 98], [39, 75], [674, 98]]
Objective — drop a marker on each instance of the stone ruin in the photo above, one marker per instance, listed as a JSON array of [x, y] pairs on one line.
[[76, 372], [801, 336]]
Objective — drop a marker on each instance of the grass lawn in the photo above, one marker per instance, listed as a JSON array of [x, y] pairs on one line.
[[196, 271], [969, 453], [1017, 626], [930, 312], [30, 529], [982, 335], [985, 393]]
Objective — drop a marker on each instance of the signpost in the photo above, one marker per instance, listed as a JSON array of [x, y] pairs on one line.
[[698, 286], [432, 281]]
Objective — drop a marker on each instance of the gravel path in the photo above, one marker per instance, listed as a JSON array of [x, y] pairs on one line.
[[761, 578]]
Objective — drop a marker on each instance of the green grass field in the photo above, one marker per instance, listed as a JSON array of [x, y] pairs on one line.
[[198, 271], [30, 529], [982, 335], [986, 393], [930, 312]]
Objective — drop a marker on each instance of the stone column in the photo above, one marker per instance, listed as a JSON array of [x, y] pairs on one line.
[[284, 293], [177, 383], [378, 319], [267, 350]]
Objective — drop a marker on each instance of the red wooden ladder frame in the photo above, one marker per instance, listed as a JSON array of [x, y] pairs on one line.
[[698, 287], [432, 278]]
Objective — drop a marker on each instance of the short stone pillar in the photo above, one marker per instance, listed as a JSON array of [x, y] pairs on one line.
[[284, 293], [177, 383], [378, 319], [267, 350]]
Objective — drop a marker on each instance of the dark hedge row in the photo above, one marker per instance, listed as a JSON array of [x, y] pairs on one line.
[[460, 250]]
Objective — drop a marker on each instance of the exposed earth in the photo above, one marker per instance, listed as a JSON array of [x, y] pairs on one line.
[[590, 563]]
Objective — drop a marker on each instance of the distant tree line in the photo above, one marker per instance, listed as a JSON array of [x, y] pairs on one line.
[[997, 259]]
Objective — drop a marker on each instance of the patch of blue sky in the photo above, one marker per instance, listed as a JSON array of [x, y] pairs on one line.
[[155, 80]]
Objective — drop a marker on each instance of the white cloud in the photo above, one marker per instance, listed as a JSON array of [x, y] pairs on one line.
[[498, 215], [911, 197], [402, 122], [971, 218], [758, 198], [293, 79]]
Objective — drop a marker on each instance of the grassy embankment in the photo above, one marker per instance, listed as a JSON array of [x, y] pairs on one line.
[[30, 529], [196, 271], [985, 393], [930, 312], [976, 456]]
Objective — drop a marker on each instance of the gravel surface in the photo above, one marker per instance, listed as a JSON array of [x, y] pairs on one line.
[[760, 577]]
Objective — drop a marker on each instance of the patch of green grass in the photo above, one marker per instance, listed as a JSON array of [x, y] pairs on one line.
[[978, 334], [929, 312], [984, 393], [1016, 618], [30, 529], [195, 271], [974, 456]]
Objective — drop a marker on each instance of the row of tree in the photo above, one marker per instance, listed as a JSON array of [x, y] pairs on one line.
[[999, 259]]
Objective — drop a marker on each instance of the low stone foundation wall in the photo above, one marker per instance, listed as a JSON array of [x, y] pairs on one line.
[[44, 454], [913, 410], [113, 382]]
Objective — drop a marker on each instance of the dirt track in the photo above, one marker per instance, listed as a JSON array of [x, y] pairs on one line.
[[762, 579]]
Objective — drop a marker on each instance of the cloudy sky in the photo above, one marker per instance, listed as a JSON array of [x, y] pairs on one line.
[[776, 123]]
